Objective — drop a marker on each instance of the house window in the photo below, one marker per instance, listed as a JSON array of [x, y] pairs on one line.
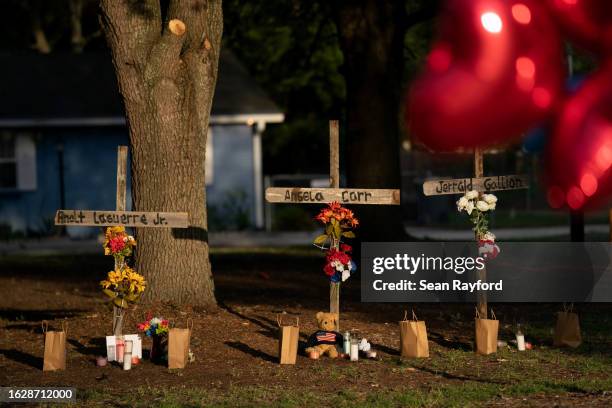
[[17, 161], [8, 161]]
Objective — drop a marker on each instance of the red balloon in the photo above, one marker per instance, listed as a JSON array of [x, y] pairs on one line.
[[579, 153], [495, 70], [587, 22]]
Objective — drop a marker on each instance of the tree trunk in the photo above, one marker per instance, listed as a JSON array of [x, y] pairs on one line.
[[167, 73], [372, 40]]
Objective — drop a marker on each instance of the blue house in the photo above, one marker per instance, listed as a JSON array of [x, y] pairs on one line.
[[61, 120]]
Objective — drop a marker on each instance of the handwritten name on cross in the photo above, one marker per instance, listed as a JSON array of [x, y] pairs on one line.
[[481, 184], [120, 217], [304, 195]]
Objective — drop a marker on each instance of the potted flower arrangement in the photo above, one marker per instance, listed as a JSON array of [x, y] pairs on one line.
[[123, 285], [157, 329], [478, 206]]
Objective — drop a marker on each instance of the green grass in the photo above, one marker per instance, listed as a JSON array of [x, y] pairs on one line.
[[467, 393]]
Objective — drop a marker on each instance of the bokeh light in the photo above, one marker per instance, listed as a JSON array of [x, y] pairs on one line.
[[525, 67], [588, 184], [521, 13], [491, 22], [575, 198]]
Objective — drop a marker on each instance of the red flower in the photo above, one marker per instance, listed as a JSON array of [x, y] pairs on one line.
[[117, 244], [346, 248], [329, 271], [335, 255]]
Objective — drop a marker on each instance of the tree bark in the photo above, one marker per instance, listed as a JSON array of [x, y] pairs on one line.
[[167, 72], [371, 36]]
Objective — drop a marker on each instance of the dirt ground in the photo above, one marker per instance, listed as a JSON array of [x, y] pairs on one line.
[[236, 345]]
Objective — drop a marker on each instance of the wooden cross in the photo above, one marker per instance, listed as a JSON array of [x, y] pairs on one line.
[[481, 184], [304, 195], [120, 217]]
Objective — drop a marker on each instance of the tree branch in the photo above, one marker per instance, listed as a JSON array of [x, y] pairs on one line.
[[194, 13], [41, 44], [165, 53], [131, 28], [76, 14]]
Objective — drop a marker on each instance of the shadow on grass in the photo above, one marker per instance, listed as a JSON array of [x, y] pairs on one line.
[[23, 358], [450, 376], [385, 349], [14, 315], [269, 330], [449, 344], [97, 347], [238, 345]]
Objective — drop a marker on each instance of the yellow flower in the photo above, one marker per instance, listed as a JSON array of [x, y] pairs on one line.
[[124, 282]]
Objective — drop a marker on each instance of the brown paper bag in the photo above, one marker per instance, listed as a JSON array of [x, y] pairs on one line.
[[288, 336], [567, 331], [178, 346], [413, 337], [55, 348], [486, 334]]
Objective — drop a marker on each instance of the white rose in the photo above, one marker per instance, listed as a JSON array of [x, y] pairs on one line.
[[470, 195], [462, 203], [492, 206], [482, 206], [469, 208], [489, 198], [488, 236]]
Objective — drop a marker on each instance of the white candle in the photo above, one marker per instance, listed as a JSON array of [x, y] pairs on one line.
[[127, 360], [520, 341], [354, 350], [119, 349], [347, 343], [129, 345]]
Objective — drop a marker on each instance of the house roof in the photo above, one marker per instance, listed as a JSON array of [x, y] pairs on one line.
[[81, 90]]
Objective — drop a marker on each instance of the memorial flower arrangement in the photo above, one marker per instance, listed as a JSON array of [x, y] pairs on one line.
[[338, 263], [157, 329], [118, 243], [154, 326], [478, 207], [339, 223], [123, 285]]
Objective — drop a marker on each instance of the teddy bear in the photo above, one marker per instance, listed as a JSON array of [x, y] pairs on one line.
[[325, 339]]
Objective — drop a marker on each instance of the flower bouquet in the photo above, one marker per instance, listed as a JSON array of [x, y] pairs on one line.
[[157, 329], [478, 206], [338, 263], [118, 243], [123, 285], [339, 223]]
